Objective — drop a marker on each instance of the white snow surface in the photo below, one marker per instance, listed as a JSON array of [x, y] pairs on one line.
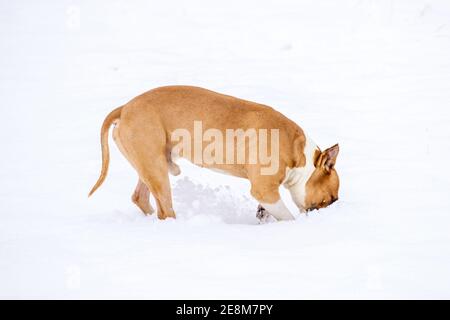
[[371, 75]]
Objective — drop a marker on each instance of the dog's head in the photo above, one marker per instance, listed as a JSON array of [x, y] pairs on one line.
[[322, 187]]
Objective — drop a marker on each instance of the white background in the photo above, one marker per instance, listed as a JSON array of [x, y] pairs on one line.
[[371, 75]]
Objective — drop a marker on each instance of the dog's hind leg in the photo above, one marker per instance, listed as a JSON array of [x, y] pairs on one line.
[[156, 178], [174, 169], [145, 146], [141, 197], [153, 170]]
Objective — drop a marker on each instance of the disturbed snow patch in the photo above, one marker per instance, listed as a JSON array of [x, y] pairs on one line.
[[204, 204]]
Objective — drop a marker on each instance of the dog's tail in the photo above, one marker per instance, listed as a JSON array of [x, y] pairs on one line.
[[109, 120]]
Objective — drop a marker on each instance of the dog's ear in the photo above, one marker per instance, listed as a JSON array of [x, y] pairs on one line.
[[328, 158]]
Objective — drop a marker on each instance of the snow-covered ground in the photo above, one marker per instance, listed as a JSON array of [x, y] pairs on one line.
[[371, 75]]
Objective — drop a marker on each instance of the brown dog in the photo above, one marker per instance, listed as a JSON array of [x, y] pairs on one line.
[[148, 128]]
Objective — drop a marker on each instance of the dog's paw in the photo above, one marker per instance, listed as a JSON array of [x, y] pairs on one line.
[[262, 214]]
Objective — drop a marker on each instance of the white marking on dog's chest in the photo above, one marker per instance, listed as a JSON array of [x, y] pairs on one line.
[[296, 178]]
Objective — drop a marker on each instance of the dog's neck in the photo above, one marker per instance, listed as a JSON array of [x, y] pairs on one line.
[[296, 178]]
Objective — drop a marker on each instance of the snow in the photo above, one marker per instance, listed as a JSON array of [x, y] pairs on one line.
[[371, 75]]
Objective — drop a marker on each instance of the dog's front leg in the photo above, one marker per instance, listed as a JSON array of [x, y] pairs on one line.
[[262, 214], [270, 201], [265, 189], [278, 210]]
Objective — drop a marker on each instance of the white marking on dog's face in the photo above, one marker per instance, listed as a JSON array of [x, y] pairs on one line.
[[296, 178]]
